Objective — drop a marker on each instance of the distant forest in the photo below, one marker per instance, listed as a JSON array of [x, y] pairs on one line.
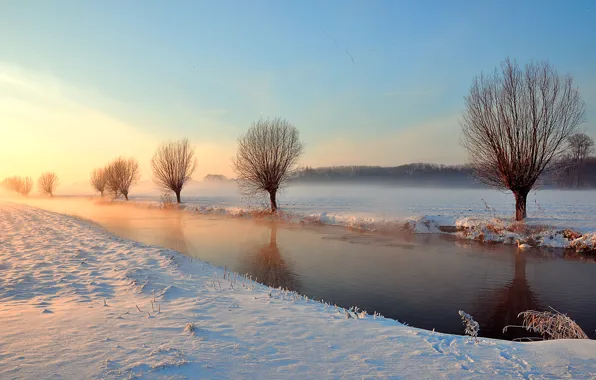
[[423, 174]]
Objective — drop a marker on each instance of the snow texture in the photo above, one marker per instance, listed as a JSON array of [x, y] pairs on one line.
[[77, 302]]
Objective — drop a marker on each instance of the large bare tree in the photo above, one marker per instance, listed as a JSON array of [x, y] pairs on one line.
[[173, 165], [98, 180], [267, 153], [516, 123], [121, 174], [579, 147], [47, 183]]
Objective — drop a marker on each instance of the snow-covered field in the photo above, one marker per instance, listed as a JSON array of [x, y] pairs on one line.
[[77, 302]]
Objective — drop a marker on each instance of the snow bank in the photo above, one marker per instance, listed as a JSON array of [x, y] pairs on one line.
[[77, 302]]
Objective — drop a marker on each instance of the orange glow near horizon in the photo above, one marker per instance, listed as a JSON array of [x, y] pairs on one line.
[[42, 129]]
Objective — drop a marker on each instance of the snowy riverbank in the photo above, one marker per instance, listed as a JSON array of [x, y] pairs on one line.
[[77, 302]]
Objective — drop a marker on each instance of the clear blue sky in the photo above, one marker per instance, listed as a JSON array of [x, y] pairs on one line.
[[208, 69]]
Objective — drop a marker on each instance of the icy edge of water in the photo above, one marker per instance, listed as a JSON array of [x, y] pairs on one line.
[[534, 232]]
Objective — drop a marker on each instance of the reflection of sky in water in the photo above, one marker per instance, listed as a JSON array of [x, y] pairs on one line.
[[422, 280]]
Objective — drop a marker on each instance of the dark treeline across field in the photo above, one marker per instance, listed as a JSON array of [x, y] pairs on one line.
[[412, 174], [569, 176]]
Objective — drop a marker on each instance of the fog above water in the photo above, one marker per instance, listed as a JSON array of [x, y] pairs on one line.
[[560, 208]]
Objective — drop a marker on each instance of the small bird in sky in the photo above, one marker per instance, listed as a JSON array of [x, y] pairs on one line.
[[350, 55], [333, 39], [337, 45]]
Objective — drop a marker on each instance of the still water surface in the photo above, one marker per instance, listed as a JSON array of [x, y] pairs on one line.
[[421, 280]]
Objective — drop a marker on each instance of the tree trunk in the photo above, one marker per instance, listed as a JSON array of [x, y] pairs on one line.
[[125, 195], [178, 196], [273, 200], [101, 193], [521, 197]]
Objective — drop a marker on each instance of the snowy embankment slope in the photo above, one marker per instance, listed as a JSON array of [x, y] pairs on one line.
[[77, 302]]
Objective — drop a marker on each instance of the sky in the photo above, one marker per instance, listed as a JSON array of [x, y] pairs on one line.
[[365, 82]]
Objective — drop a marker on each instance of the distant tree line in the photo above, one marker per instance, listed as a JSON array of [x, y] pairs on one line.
[[215, 178], [416, 174], [46, 184], [569, 174]]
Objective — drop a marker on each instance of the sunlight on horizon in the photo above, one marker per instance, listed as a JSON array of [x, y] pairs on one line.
[[49, 131]]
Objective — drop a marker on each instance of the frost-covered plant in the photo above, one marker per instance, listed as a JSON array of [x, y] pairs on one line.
[[472, 327], [550, 324], [190, 328], [167, 200]]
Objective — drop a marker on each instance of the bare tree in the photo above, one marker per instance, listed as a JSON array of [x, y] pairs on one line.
[[516, 123], [267, 153], [173, 165], [11, 183], [25, 186], [47, 183], [19, 185], [579, 147], [98, 180], [120, 175]]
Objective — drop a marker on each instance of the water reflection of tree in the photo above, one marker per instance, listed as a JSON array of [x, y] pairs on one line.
[[500, 307], [173, 238], [269, 267]]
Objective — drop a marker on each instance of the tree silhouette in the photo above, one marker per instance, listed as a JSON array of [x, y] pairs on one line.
[[266, 156], [47, 183], [516, 123], [173, 165]]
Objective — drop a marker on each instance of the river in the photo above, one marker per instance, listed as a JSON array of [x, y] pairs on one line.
[[421, 280]]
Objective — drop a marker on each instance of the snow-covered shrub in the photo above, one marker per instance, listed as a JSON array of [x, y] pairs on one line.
[[472, 327]]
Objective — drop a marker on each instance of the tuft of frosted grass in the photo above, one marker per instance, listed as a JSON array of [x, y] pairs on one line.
[[471, 326], [190, 328], [550, 324]]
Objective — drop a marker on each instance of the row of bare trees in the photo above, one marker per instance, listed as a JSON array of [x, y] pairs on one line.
[[20, 185], [116, 177], [46, 184], [517, 125], [266, 156], [173, 165]]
